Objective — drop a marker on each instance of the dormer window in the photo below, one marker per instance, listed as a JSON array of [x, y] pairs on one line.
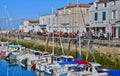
[[105, 4], [114, 2], [96, 5]]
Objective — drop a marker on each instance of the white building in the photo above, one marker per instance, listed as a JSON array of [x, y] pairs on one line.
[[30, 26], [104, 15], [48, 22]]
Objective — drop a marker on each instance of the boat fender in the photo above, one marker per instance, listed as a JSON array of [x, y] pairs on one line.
[[33, 67], [51, 70]]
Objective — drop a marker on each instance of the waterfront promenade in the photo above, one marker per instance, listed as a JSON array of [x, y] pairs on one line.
[[108, 43]]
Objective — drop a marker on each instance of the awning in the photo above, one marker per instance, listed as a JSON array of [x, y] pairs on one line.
[[43, 26], [117, 22], [14, 46], [74, 62], [99, 26], [81, 62]]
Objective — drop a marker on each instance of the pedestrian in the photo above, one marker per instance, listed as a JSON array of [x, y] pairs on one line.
[[47, 60]]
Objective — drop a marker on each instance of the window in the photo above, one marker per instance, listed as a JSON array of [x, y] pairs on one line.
[[42, 21], [96, 8], [96, 16], [53, 20], [96, 5], [103, 16], [64, 11], [105, 4], [87, 10], [60, 12], [114, 2], [114, 14], [49, 20], [69, 11]]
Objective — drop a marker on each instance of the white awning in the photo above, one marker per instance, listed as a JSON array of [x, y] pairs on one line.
[[96, 26]]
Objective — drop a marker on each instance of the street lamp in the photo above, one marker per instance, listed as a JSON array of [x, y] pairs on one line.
[[109, 31]]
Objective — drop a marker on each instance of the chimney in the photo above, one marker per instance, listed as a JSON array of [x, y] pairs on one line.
[[71, 4]]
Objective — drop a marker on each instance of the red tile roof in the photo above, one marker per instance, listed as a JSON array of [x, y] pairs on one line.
[[71, 6], [103, 0], [33, 21]]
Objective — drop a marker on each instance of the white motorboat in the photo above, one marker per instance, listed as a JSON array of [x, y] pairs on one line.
[[92, 69], [60, 65]]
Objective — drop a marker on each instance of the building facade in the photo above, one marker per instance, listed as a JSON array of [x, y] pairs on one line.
[[48, 22], [30, 26], [104, 15], [72, 18]]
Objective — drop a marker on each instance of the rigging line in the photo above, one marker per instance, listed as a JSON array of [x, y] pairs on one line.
[[92, 50], [89, 39], [7, 18], [61, 44], [82, 16], [61, 40]]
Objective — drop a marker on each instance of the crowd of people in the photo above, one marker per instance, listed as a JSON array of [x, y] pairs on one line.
[[98, 35]]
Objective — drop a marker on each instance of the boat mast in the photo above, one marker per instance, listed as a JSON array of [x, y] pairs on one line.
[[77, 12], [7, 18], [60, 37], [53, 32]]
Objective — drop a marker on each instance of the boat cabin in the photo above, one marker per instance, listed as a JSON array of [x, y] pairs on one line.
[[15, 49], [63, 58]]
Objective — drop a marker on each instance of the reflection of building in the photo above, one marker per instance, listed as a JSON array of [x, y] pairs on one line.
[[48, 22], [69, 18], [104, 14], [30, 26]]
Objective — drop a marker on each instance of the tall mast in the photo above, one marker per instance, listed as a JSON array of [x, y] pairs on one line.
[[6, 19], [79, 28], [53, 31]]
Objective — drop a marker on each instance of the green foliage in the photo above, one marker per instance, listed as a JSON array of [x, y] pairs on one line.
[[104, 61]]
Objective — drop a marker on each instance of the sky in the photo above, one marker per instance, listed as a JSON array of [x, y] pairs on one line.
[[18, 10]]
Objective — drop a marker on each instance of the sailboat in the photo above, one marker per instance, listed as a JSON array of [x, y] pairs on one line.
[[59, 64], [87, 68]]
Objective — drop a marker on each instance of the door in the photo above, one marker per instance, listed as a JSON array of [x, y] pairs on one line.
[[119, 32], [114, 31]]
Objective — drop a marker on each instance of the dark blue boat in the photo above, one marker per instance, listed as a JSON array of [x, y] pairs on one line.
[[114, 72]]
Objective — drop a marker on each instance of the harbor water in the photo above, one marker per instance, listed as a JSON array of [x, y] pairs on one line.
[[6, 70]]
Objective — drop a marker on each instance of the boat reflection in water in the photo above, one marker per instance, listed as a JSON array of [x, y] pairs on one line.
[[6, 70]]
